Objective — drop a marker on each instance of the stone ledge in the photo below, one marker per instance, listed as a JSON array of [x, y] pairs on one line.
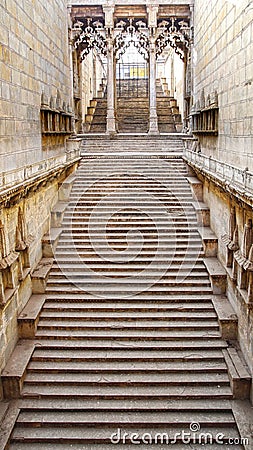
[[22, 188], [203, 213], [8, 421], [196, 188], [50, 241], [29, 316], [239, 377], [243, 414], [15, 371], [40, 275], [209, 240], [227, 318], [217, 275], [57, 214], [66, 187], [236, 189]]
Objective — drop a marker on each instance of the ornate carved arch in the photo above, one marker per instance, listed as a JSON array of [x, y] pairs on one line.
[[131, 32], [89, 35], [173, 33]]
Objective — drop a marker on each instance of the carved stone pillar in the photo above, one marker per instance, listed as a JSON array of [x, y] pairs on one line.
[[152, 24], [71, 69], [153, 119], [109, 25], [246, 245], [110, 119]]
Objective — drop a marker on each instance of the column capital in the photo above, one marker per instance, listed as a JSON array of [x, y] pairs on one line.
[[152, 10], [109, 11]]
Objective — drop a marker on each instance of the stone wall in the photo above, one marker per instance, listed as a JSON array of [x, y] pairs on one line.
[[223, 62], [34, 59], [223, 157]]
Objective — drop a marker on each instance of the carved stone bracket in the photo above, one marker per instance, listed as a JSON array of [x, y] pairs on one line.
[[131, 32], [88, 36], [174, 33]]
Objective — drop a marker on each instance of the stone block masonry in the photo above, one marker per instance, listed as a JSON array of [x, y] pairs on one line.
[[223, 57], [34, 58]]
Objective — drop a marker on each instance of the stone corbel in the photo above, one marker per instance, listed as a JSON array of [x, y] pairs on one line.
[[242, 256], [152, 11], [109, 15], [231, 240]]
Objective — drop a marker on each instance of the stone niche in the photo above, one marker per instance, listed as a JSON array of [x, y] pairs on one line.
[[56, 122], [205, 114]]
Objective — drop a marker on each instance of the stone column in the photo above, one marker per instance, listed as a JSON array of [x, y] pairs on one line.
[[110, 120], [153, 119], [71, 72], [109, 25], [152, 23]]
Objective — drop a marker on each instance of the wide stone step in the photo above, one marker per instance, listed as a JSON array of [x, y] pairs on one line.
[[56, 446], [157, 299], [67, 332], [100, 308], [126, 284], [92, 436], [134, 379], [168, 227], [107, 344], [173, 359], [77, 323], [195, 406], [186, 266], [204, 391], [46, 367], [119, 290], [141, 418], [135, 316]]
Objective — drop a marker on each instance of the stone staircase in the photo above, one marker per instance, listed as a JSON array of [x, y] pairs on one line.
[[128, 343], [133, 111]]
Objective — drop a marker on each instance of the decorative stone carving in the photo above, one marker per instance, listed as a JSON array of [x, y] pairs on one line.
[[90, 35], [129, 32], [174, 33], [20, 232]]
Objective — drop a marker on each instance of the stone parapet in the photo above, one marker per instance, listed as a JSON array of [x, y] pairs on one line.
[[232, 179]]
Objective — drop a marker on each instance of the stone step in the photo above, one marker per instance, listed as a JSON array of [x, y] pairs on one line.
[[205, 391], [100, 309], [171, 300], [62, 446], [196, 406], [137, 316], [136, 344], [138, 418], [92, 436], [165, 228], [126, 292], [69, 331], [121, 277], [121, 378], [109, 325], [126, 367], [172, 359]]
